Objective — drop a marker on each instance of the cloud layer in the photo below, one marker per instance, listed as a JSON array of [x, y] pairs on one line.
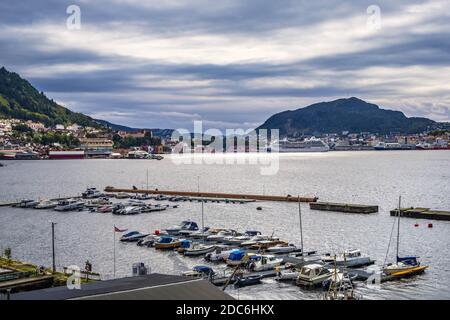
[[229, 63]]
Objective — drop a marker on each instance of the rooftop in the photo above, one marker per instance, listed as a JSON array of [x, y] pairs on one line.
[[149, 287]]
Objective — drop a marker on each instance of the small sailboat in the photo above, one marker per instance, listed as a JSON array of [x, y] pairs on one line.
[[339, 286], [404, 266]]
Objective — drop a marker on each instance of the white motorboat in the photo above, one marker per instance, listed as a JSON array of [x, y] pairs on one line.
[[27, 203], [350, 258], [313, 275], [256, 239], [123, 195], [148, 241], [92, 193], [281, 248], [308, 145], [97, 202], [46, 204], [133, 236], [70, 205], [198, 250], [264, 262]]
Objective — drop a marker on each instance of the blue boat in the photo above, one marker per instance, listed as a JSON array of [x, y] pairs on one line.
[[235, 258]]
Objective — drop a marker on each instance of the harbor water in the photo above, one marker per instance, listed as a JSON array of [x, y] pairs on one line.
[[372, 178]]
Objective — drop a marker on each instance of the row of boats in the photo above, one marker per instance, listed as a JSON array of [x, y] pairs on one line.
[[251, 251], [102, 205], [254, 253]]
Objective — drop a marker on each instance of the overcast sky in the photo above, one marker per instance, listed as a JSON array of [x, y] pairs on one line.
[[230, 63]]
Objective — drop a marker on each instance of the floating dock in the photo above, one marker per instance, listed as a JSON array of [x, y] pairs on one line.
[[343, 207], [422, 213], [287, 198]]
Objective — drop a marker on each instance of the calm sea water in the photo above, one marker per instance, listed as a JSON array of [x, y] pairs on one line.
[[422, 178]]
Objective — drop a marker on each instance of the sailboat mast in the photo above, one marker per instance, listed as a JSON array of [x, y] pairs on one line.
[[301, 227], [398, 224]]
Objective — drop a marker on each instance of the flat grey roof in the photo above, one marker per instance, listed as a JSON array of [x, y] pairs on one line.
[[150, 287]]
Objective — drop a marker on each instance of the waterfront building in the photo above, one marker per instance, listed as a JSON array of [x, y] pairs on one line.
[[96, 147]]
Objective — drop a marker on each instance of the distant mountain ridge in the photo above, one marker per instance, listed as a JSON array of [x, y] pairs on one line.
[[20, 100], [352, 114]]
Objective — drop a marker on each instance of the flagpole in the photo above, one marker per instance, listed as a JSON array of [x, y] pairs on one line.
[[114, 237]]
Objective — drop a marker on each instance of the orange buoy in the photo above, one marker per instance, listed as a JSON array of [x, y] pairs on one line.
[[430, 225]]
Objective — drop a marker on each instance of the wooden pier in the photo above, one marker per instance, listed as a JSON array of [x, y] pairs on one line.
[[343, 207], [422, 213], [287, 198]]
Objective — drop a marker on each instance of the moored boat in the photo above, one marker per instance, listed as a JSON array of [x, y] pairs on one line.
[[184, 225], [263, 262], [199, 249], [313, 275], [133, 236], [349, 258], [27, 203], [404, 266], [91, 193], [282, 248], [247, 280], [46, 204], [70, 205], [236, 257]]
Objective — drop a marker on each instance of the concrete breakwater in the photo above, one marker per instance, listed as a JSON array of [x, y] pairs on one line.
[[422, 213], [288, 198]]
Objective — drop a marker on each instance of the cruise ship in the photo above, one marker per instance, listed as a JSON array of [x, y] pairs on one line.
[[309, 145]]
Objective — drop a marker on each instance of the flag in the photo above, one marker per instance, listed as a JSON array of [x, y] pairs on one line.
[[119, 230]]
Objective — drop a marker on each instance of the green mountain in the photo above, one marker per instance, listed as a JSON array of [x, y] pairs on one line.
[[352, 114], [19, 99]]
